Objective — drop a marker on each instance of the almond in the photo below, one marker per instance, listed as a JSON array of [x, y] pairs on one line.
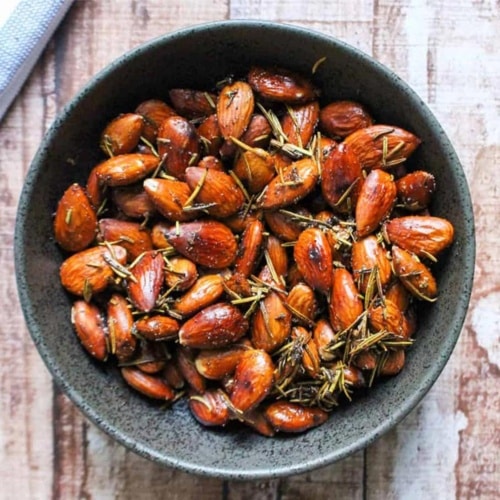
[[324, 336], [277, 255], [253, 379], [178, 145], [210, 408], [159, 238], [75, 221], [292, 417], [216, 190], [157, 327], [293, 183], [205, 291], [249, 248], [388, 317], [299, 123], [342, 118], [122, 134], [255, 168], [154, 112], [215, 364], [133, 202], [192, 103], [284, 226], [180, 273], [215, 326], [258, 132], [345, 304], [423, 235], [89, 326], [234, 109], [185, 364], [313, 256], [211, 162], [146, 282], [173, 376], [148, 385], [240, 220], [302, 303], [376, 199], [382, 146], [208, 243], [281, 85], [151, 357], [87, 272], [257, 421], [399, 295], [120, 323], [394, 363], [126, 169], [210, 135], [95, 189], [415, 190]]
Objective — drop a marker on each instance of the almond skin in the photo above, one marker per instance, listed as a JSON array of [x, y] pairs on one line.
[[178, 144], [215, 364], [154, 112], [313, 256], [376, 199], [276, 84], [145, 289], [421, 235], [255, 168], [122, 134], [208, 243], [277, 255], [210, 135], [192, 103], [368, 144], [390, 318], [342, 118], [158, 327], [95, 188], [87, 272], [283, 225], [218, 190], [75, 221], [258, 132], [394, 363], [120, 323], [295, 182], [205, 291], [345, 304], [215, 326], [299, 123], [302, 300], [148, 385], [150, 358], [133, 202], [253, 379], [180, 273], [126, 169], [415, 190], [323, 335], [291, 417], [185, 363], [249, 248], [210, 408], [89, 326], [234, 109]]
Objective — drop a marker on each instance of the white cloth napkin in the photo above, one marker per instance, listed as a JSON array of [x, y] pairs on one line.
[[25, 28]]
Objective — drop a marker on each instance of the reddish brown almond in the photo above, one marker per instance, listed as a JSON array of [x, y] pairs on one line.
[[170, 197], [215, 364], [294, 183], [341, 179], [394, 363], [185, 364], [299, 123], [281, 85], [180, 273], [122, 134], [133, 202], [215, 326], [88, 272], [291, 417], [302, 303], [211, 408], [382, 146], [237, 284], [376, 199], [310, 355], [324, 336], [415, 190], [258, 422], [146, 281], [234, 109], [342, 118], [367, 255], [249, 248], [277, 255], [154, 112], [120, 323], [173, 376], [208, 243], [390, 318], [178, 145], [192, 103], [253, 379], [258, 132], [414, 275], [130, 235], [126, 169], [399, 295], [95, 188], [345, 304], [313, 256], [365, 360], [294, 276], [148, 385], [150, 358], [283, 225], [205, 291], [210, 135], [423, 235], [75, 221], [216, 191], [158, 236], [89, 326], [255, 168], [272, 323], [158, 327], [211, 162]]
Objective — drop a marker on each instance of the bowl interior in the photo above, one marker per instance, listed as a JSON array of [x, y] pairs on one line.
[[196, 58]]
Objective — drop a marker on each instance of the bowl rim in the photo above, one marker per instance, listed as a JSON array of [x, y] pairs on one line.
[[161, 457]]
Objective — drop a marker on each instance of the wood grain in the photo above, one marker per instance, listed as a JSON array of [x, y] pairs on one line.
[[448, 447]]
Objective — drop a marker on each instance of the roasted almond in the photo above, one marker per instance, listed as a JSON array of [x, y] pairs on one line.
[[423, 235], [342, 118], [399, 295], [215, 364], [147, 279], [234, 109], [292, 417], [159, 238], [185, 363], [211, 162], [148, 385], [302, 303], [345, 305], [284, 225], [258, 132], [210, 408], [75, 221], [394, 363], [210, 135], [88, 272], [173, 375], [122, 134], [120, 323], [205, 291], [324, 336], [277, 255], [192, 103], [180, 273], [375, 201], [255, 168], [240, 220], [150, 358], [415, 190], [208, 243], [157, 327], [215, 326], [154, 112], [388, 317], [126, 169], [95, 189], [299, 123], [249, 248], [133, 202], [89, 326]]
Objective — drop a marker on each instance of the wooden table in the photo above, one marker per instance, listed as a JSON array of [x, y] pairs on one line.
[[446, 448]]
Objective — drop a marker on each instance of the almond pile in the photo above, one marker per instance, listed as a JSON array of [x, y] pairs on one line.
[[251, 250]]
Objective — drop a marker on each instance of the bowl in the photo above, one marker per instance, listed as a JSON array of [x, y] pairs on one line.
[[197, 57]]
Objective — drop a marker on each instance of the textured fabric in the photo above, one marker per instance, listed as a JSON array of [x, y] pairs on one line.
[[23, 36]]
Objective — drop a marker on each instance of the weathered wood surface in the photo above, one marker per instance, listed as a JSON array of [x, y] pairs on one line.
[[449, 446]]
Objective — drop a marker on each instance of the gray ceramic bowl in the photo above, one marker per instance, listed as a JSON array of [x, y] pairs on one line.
[[196, 57]]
